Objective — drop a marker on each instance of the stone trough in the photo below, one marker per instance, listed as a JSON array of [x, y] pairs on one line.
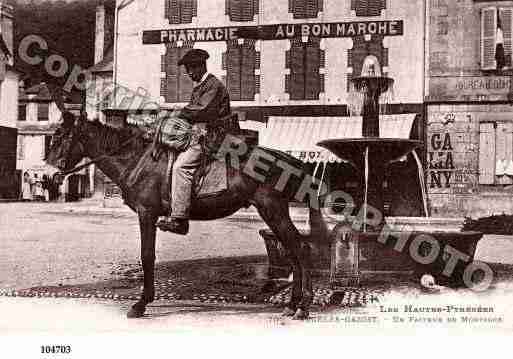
[[346, 256]]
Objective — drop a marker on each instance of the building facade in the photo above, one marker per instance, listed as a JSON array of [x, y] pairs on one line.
[[38, 118], [9, 78], [469, 112], [99, 86], [283, 62]]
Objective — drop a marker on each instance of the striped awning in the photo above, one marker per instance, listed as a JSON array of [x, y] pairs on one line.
[[298, 135]]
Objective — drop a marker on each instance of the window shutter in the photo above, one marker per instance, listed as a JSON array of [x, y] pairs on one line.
[[303, 9], [233, 69], [249, 60], [368, 7], [42, 111], [296, 85], [176, 86], [22, 112], [503, 149], [488, 33], [312, 76], [311, 8], [180, 11], [184, 81], [486, 153], [507, 23], [247, 10]]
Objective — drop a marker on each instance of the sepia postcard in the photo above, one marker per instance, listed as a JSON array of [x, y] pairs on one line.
[[203, 169]]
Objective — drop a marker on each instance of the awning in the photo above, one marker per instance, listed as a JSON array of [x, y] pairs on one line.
[[298, 135]]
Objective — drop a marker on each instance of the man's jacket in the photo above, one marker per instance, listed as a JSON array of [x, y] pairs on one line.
[[209, 102]]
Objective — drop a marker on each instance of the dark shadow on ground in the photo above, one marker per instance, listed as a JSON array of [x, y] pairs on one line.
[[225, 281]]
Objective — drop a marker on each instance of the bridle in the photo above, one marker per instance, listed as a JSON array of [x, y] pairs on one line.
[[61, 174]]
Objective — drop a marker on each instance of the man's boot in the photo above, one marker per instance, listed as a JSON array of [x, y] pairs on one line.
[[175, 225]]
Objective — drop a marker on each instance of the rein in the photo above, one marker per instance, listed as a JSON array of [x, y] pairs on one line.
[[99, 158]]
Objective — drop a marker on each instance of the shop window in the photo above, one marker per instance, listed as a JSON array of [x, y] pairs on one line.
[[496, 38], [304, 9], [176, 86], [240, 61], [22, 112], [241, 10], [43, 111], [181, 11], [496, 153], [368, 7], [304, 59]]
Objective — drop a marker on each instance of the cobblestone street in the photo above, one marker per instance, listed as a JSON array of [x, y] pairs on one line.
[[41, 244], [62, 244]]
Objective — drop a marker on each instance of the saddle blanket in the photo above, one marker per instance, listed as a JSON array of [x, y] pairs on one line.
[[211, 179]]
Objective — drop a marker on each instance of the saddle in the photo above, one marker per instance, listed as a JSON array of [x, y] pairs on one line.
[[211, 177]]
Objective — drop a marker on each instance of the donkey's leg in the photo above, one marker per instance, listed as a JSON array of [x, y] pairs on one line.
[[147, 228], [275, 213]]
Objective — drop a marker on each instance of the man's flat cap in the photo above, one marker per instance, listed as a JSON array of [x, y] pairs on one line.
[[194, 56]]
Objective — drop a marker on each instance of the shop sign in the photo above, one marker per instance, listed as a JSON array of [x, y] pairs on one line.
[[275, 32]]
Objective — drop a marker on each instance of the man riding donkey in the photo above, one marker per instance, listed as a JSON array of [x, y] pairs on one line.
[[209, 102]]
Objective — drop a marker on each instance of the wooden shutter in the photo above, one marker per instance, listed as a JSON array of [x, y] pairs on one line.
[[241, 10], [303, 9], [312, 76], [180, 11], [42, 111], [488, 33], [296, 80], [368, 7], [248, 65], [486, 153], [176, 86], [506, 15], [22, 112], [233, 61]]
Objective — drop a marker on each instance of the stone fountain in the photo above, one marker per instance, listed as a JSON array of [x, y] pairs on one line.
[[361, 243], [426, 252]]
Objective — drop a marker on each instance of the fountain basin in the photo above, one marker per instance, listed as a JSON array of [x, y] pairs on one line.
[[346, 253]]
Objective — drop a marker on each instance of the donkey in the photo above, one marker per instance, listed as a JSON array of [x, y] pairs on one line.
[[125, 156]]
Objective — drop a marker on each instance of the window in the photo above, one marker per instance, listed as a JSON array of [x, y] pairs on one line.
[[42, 111], [303, 9], [241, 10], [176, 86], [304, 59], [368, 7], [496, 153], [496, 38], [240, 61], [22, 112], [180, 11]]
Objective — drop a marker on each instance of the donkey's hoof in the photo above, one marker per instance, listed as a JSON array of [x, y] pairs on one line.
[[301, 314], [136, 312], [288, 312]]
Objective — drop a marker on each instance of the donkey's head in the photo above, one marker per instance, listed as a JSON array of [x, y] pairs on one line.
[[67, 147]]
